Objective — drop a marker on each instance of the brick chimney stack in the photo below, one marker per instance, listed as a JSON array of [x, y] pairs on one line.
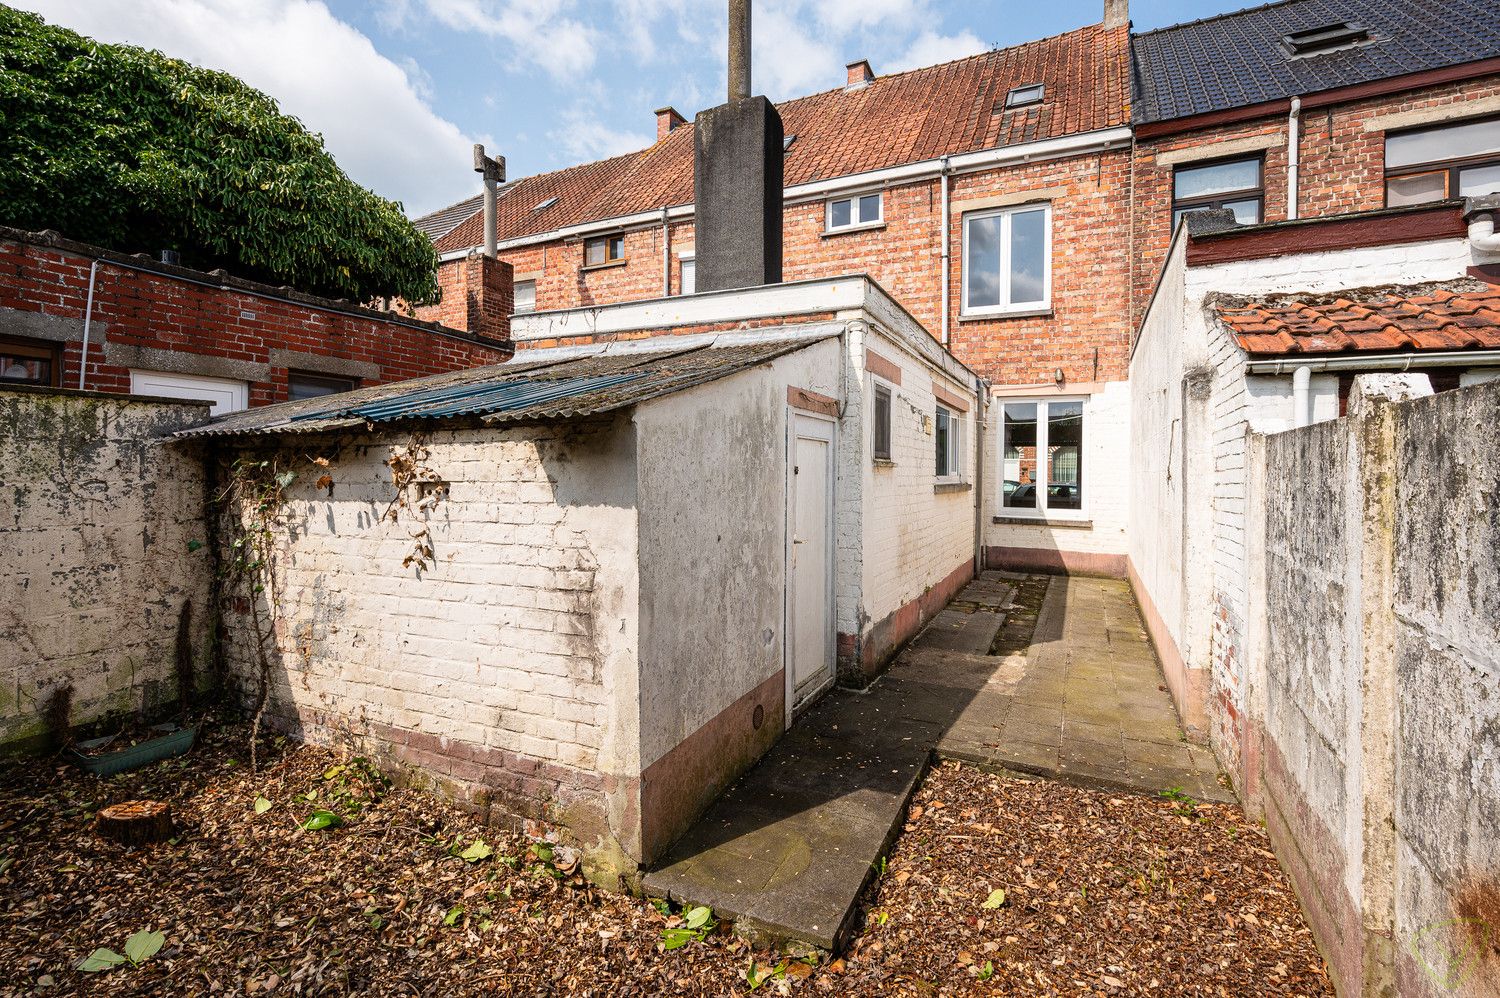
[[667, 121], [860, 75]]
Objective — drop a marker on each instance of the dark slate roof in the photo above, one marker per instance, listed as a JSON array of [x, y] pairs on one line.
[[1236, 59], [438, 224], [521, 390]]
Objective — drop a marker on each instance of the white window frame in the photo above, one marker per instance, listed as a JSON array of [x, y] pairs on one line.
[[956, 435], [878, 384], [517, 299], [224, 394], [685, 260], [1041, 512], [854, 225], [1024, 308]]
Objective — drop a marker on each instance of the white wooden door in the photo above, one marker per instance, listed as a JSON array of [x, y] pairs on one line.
[[810, 643]]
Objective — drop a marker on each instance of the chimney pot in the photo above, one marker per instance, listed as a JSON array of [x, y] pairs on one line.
[[860, 75], [667, 121], [1116, 13]]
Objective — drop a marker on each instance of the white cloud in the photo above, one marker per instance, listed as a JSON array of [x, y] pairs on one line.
[[583, 136], [540, 32], [325, 72], [788, 57], [930, 48]]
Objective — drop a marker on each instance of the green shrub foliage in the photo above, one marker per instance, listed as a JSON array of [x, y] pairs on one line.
[[126, 148]]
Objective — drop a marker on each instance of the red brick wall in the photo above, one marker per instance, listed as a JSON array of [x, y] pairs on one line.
[[1086, 334], [163, 311], [1342, 168]]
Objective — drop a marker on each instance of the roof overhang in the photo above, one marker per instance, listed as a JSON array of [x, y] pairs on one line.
[[1403, 361]]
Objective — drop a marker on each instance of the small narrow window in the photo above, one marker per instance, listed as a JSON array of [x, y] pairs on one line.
[[689, 280], [860, 211], [1022, 96], [946, 434], [311, 386], [28, 362], [881, 420], [601, 250], [1235, 184], [525, 297]]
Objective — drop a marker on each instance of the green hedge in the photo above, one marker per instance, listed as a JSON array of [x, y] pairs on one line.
[[126, 148]]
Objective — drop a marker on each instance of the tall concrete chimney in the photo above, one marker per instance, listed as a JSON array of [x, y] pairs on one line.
[[493, 171], [737, 178], [1116, 13]]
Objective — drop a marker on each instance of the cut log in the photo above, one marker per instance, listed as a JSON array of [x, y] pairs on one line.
[[136, 822]]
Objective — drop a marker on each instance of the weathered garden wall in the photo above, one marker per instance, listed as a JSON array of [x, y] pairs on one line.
[[97, 517], [1374, 699]]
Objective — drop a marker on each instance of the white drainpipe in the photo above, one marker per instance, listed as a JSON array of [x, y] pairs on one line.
[[1293, 155], [947, 262], [88, 315], [1302, 396], [1482, 235]]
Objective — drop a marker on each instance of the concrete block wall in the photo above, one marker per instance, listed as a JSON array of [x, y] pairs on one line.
[[97, 517], [1373, 683], [504, 666]]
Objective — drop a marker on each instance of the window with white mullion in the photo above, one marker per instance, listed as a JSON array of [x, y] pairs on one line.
[[1007, 260], [1041, 458]]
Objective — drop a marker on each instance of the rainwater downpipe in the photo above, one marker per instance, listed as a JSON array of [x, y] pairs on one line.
[[1293, 156], [1482, 234], [88, 315], [947, 261], [1302, 396]]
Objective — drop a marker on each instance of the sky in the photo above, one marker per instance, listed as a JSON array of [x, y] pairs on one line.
[[400, 89]]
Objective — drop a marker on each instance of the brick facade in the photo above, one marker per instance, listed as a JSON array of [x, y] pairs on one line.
[[1342, 152], [149, 316]]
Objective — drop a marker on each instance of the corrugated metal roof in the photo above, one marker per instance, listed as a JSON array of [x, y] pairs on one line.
[[1237, 59], [518, 391]]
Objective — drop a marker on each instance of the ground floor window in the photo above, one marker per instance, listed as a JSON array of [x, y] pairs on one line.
[[948, 433], [222, 394], [689, 268], [1041, 457], [29, 362], [880, 420], [311, 386]]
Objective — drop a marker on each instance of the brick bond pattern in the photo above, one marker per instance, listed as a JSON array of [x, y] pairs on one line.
[[159, 311]]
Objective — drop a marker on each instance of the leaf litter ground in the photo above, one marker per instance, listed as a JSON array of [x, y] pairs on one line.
[[996, 886]]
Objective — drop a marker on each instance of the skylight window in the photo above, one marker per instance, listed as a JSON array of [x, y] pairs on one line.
[[1022, 96], [544, 205], [786, 143], [1314, 41]]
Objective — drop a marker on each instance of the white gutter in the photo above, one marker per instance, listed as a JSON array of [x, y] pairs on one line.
[[1377, 362], [1293, 156], [88, 315], [947, 263], [969, 162]]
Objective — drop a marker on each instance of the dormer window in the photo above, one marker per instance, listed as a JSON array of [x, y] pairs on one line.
[[1022, 96], [1328, 37]]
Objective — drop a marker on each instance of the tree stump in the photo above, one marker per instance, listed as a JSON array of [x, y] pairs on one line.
[[136, 822]]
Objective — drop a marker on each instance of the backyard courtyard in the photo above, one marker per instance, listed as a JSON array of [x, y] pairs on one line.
[[995, 886]]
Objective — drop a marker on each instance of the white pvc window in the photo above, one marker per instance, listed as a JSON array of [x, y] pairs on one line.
[[860, 211], [1008, 260], [689, 275], [224, 394], [948, 444], [880, 420], [525, 296], [1041, 458]]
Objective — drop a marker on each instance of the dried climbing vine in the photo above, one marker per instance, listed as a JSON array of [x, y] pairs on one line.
[[410, 476]]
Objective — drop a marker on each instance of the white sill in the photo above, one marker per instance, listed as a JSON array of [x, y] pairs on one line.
[[1021, 518], [846, 229], [1011, 313]]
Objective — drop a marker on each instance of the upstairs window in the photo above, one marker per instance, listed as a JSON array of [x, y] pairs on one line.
[[880, 419], [1007, 260], [602, 250], [1236, 184], [861, 211], [689, 275], [1451, 161], [525, 297], [1022, 96]]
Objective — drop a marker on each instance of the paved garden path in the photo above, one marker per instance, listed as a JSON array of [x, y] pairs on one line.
[[1041, 675]]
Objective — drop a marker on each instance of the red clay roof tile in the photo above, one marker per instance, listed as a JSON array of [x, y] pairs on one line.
[[951, 108], [1453, 316]]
